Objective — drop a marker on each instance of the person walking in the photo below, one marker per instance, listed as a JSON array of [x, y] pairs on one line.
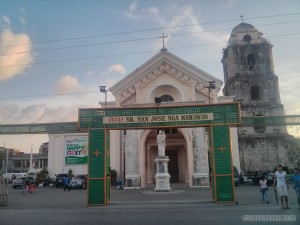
[[23, 185], [296, 184], [282, 186], [263, 186], [66, 181]]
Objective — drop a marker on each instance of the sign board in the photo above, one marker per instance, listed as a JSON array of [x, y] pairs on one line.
[[157, 118], [76, 150]]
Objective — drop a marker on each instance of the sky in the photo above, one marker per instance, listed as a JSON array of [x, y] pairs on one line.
[[55, 54]]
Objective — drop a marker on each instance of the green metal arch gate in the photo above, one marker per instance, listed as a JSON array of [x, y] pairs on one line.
[[219, 117], [97, 122]]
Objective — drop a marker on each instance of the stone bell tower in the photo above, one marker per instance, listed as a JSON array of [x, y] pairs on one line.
[[249, 76]]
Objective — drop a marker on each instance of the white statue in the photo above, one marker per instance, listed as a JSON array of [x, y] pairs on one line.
[[161, 143]]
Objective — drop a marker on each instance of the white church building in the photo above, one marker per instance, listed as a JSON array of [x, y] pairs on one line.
[[173, 81]]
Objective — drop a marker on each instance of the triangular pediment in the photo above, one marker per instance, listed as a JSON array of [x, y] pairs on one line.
[[162, 63]]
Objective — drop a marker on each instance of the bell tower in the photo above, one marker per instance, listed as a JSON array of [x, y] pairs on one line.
[[249, 76]]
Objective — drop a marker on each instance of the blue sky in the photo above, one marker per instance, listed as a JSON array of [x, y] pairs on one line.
[[50, 48]]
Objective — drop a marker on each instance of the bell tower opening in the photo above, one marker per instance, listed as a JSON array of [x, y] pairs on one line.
[[255, 92], [251, 61]]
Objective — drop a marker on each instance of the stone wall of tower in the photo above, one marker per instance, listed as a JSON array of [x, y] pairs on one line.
[[263, 153]]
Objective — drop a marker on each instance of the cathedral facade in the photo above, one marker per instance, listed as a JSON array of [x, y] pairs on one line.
[[249, 78], [175, 82]]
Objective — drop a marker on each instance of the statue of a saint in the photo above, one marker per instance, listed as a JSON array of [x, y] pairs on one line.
[[161, 143]]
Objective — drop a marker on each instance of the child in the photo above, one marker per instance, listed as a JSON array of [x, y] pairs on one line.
[[264, 189]]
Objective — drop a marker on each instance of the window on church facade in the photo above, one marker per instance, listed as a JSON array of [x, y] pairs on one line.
[[255, 92], [167, 98], [251, 61]]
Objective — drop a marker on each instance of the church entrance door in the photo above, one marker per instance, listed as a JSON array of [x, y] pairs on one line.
[[173, 165]]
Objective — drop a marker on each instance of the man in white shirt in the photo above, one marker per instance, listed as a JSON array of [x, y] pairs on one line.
[[282, 186]]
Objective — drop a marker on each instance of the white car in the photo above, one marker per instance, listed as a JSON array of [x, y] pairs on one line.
[[79, 181]]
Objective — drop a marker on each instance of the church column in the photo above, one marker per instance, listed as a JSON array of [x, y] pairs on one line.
[[200, 150], [149, 163], [132, 177]]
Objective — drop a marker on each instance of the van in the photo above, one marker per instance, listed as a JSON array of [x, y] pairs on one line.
[[9, 176], [31, 174]]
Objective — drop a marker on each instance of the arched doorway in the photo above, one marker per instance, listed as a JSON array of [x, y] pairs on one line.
[[175, 149]]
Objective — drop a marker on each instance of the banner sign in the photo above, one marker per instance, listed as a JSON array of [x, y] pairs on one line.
[[76, 150], [157, 118]]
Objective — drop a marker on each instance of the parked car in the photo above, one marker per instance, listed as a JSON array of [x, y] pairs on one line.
[[236, 176], [17, 183], [60, 179], [268, 174], [48, 181], [79, 181]]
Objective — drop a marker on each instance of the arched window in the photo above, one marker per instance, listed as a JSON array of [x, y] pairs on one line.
[[251, 61], [167, 98], [255, 92]]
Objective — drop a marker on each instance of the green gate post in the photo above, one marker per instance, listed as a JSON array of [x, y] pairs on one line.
[[107, 165], [98, 193], [221, 160]]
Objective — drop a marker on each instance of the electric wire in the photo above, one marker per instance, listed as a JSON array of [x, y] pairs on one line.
[[138, 39], [150, 29], [126, 54]]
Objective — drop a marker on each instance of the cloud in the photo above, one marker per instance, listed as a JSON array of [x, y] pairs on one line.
[[117, 68], [183, 16], [290, 92], [230, 3], [6, 20], [131, 12], [22, 21], [67, 84], [288, 78], [38, 113], [14, 58]]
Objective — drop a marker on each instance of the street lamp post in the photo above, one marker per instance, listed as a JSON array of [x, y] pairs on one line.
[[104, 90], [211, 85]]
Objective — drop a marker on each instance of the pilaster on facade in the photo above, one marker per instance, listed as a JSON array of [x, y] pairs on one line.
[[132, 146], [200, 152]]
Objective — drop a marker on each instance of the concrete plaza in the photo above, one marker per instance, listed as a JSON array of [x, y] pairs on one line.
[[183, 205]]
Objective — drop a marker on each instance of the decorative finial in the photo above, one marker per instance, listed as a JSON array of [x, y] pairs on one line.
[[242, 18], [163, 37]]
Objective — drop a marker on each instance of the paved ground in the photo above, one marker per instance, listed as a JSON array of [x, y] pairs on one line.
[[183, 205]]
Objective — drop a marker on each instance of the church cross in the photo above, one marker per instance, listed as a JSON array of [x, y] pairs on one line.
[[242, 18], [163, 37], [97, 153], [221, 149]]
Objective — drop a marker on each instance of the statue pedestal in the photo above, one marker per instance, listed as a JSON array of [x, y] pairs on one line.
[[162, 176]]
